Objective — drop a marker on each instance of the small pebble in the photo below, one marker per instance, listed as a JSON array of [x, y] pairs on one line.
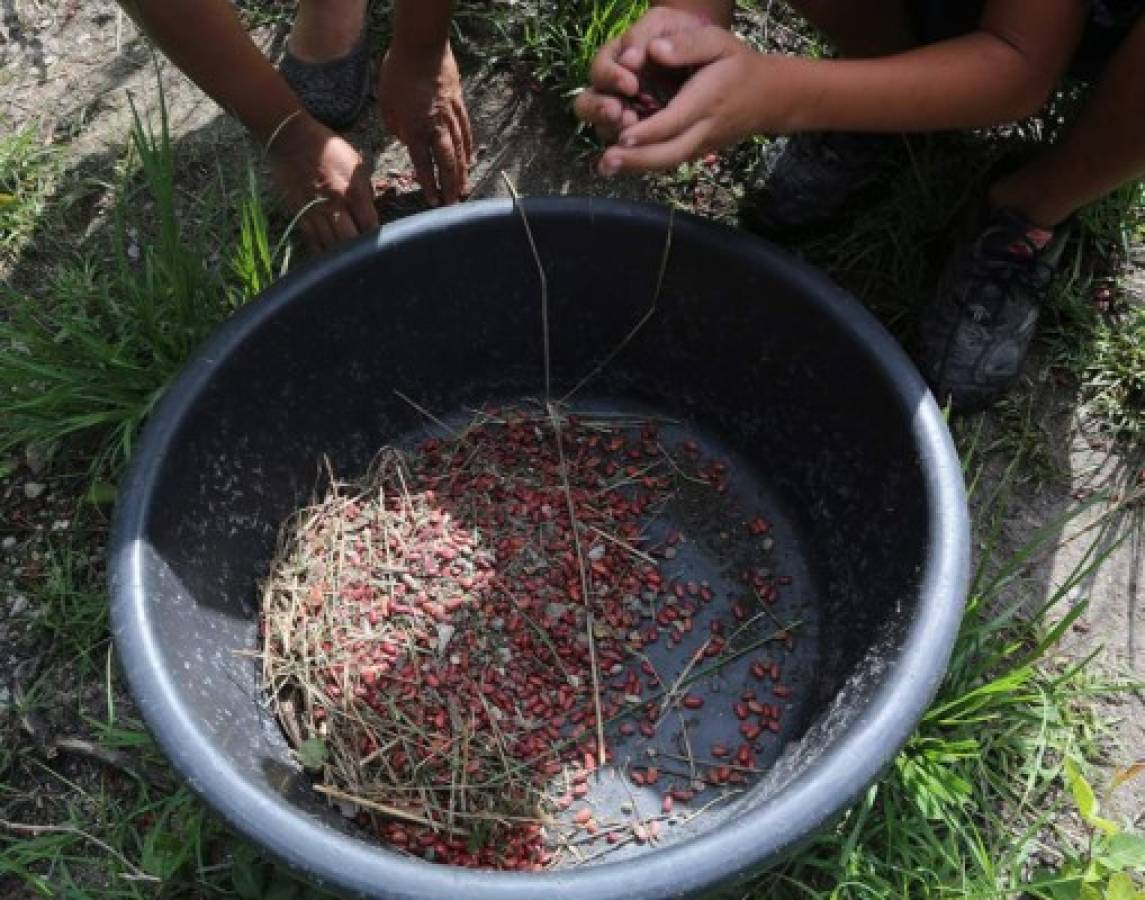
[[9, 543], [34, 489]]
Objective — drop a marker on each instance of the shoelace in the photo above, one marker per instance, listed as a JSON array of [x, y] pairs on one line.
[[1004, 274]]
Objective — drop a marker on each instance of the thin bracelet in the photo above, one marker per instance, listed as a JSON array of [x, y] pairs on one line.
[[281, 125]]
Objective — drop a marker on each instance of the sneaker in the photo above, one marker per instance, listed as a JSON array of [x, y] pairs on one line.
[[333, 92], [806, 180], [976, 331]]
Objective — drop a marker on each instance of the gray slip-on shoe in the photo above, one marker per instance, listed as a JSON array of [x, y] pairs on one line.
[[334, 92]]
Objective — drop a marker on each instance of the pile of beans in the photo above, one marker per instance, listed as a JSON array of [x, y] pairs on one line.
[[464, 636]]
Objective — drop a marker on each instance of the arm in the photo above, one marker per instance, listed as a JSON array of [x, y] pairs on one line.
[[420, 98], [422, 26], [205, 39], [1001, 72]]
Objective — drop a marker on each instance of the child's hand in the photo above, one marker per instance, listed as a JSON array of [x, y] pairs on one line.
[[726, 100], [421, 103], [615, 77], [310, 162]]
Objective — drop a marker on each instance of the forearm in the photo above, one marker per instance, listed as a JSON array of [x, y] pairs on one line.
[[206, 40], [422, 26], [719, 12], [967, 82]]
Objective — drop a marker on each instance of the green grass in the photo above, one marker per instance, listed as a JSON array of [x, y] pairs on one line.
[[969, 798], [1102, 344], [91, 355], [28, 170], [560, 39], [1113, 377]]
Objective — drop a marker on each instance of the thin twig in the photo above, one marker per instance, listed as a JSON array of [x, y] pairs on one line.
[[600, 367], [639, 554], [391, 811], [112, 758], [670, 696], [710, 763], [590, 620], [425, 412], [544, 282], [136, 874]]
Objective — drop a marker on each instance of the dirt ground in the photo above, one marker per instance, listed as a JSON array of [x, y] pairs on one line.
[[72, 67]]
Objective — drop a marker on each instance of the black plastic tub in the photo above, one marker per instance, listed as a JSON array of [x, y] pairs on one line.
[[762, 359]]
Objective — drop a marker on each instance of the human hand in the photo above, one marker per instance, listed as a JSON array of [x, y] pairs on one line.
[[421, 103], [608, 103], [324, 178], [723, 102]]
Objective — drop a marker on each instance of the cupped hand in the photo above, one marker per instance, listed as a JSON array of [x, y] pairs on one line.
[[325, 180], [615, 79], [419, 95], [724, 101]]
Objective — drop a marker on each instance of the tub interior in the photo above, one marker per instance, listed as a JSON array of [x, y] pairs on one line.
[[749, 359]]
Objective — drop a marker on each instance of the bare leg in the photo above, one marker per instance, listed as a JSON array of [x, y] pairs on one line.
[[1104, 149], [326, 29], [874, 28]]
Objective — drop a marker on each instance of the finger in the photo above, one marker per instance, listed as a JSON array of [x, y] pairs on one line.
[[459, 155], [462, 113], [360, 200], [445, 157], [678, 116], [692, 103], [628, 118], [608, 76], [600, 110], [342, 224], [634, 49], [697, 47], [655, 23], [423, 170], [654, 157]]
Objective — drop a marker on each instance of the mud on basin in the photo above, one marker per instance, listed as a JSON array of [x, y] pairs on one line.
[[827, 428]]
